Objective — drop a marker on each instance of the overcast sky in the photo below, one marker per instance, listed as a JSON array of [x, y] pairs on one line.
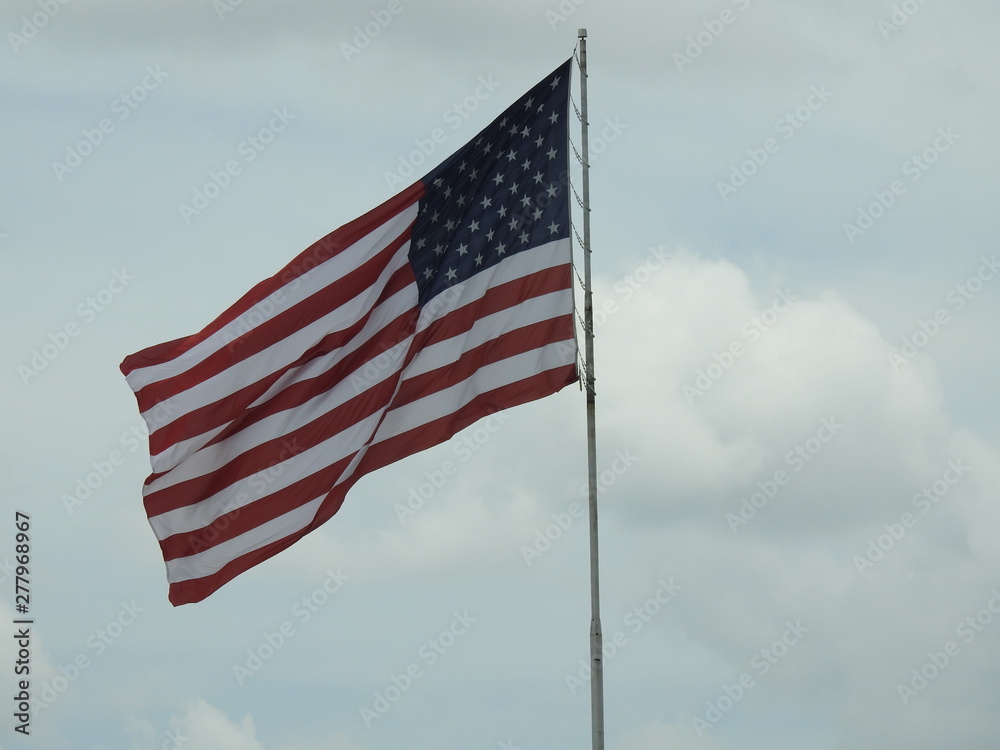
[[798, 291]]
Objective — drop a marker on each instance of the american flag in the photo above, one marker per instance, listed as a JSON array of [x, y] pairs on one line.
[[450, 301]]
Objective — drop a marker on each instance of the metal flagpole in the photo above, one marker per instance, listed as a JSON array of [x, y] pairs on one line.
[[596, 638]]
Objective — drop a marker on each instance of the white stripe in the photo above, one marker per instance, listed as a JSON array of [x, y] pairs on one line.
[[215, 558], [297, 290]]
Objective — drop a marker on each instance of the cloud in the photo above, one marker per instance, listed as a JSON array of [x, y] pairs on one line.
[[202, 726]]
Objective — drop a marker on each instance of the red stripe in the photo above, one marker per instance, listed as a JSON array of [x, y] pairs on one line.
[[320, 251]]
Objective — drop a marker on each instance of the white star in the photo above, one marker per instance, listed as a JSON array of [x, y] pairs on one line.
[[479, 259], [555, 81], [538, 177], [525, 132], [498, 179], [553, 227], [529, 102], [526, 165], [428, 273], [489, 236], [501, 249], [552, 153], [435, 216], [462, 249], [451, 274], [525, 201], [513, 187], [420, 243], [539, 142], [537, 214], [503, 211], [474, 174], [449, 225], [552, 191], [503, 123], [524, 237], [447, 192], [474, 226], [438, 182], [554, 118], [486, 202], [461, 200], [514, 222], [439, 249], [513, 130], [461, 167], [487, 148]]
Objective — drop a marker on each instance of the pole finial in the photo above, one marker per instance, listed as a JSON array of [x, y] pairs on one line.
[[581, 33]]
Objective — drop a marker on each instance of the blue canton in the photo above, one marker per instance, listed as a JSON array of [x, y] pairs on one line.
[[501, 194]]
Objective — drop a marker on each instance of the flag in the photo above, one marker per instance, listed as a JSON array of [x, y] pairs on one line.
[[450, 301]]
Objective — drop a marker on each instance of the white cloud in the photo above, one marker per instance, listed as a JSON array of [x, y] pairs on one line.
[[202, 726]]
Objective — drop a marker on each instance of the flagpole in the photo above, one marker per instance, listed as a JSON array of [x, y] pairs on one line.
[[596, 637]]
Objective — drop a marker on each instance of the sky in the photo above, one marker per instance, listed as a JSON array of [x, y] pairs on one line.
[[798, 292]]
